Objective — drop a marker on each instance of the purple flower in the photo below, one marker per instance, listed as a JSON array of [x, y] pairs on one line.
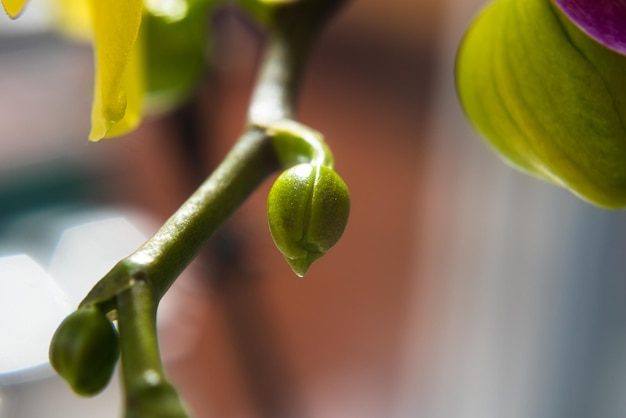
[[602, 20]]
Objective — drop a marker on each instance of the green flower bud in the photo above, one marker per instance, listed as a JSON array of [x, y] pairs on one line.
[[84, 350], [175, 46], [308, 208], [547, 97]]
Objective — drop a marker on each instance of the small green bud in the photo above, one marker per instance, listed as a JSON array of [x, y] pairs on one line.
[[84, 350], [308, 208], [174, 36]]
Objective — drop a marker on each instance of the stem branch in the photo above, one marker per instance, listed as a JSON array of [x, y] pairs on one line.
[[272, 140], [148, 393]]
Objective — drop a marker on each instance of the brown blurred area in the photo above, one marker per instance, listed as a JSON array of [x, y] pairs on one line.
[[243, 336]]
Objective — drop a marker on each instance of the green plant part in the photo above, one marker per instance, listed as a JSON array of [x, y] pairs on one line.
[[84, 350], [175, 45], [308, 208], [156, 401], [547, 97], [272, 141], [147, 390]]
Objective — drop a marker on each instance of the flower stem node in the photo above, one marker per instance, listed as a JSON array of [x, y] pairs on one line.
[[308, 208], [158, 400], [85, 349]]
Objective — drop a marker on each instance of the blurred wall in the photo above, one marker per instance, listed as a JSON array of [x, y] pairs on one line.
[[518, 305]]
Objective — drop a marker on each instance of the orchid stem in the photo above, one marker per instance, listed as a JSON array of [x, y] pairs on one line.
[[148, 393], [272, 140]]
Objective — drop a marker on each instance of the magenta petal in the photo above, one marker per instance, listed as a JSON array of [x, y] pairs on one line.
[[602, 20]]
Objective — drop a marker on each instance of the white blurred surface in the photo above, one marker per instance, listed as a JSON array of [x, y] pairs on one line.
[[85, 253], [52, 398], [34, 301], [32, 305]]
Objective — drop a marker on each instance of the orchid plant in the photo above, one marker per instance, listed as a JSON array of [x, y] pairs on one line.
[[150, 55], [543, 81]]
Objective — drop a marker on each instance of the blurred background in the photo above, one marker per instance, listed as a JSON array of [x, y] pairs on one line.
[[461, 288]]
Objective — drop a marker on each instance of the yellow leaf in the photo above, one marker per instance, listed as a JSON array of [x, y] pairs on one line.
[[118, 86], [13, 7]]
